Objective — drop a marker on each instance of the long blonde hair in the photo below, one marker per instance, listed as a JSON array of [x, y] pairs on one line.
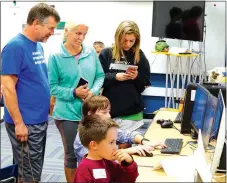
[[126, 27]]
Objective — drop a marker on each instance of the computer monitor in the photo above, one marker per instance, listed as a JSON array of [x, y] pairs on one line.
[[199, 108], [218, 114], [208, 119], [221, 138]]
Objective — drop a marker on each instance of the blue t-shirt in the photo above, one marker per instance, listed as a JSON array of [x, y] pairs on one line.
[[25, 59]]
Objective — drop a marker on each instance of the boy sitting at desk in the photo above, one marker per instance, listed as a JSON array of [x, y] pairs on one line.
[[101, 105], [99, 135]]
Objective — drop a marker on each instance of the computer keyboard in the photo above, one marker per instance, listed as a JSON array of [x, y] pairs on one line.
[[178, 119], [173, 146]]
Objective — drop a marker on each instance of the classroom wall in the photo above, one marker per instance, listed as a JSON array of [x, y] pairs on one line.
[[103, 19]]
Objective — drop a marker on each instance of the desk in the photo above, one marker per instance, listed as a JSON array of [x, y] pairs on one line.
[[170, 73], [156, 133]]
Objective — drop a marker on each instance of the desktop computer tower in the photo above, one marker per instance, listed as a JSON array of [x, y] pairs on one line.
[[188, 107]]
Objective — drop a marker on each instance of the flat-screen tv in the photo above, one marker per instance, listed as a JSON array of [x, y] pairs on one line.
[[178, 20]]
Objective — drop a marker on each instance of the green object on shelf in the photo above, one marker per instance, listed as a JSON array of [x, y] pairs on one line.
[[161, 45], [61, 25]]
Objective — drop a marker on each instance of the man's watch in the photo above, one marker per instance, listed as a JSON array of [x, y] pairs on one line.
[[144, 139]]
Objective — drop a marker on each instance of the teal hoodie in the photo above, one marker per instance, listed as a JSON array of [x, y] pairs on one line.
[[64, 73]]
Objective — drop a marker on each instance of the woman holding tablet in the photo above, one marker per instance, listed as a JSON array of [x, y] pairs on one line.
[[124, 87]]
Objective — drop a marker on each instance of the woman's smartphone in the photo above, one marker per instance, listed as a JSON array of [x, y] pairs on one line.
[[82, 81], [132, 68]]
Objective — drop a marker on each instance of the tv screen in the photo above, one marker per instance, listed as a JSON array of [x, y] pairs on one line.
[[178, 20]]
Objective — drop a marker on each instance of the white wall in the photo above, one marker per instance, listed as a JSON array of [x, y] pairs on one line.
[[104, 17], [215, 37]]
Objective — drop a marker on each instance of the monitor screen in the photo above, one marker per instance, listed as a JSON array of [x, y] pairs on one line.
[[220, 144], [199, 107], [208, 119], [178, 20], [218, 115]]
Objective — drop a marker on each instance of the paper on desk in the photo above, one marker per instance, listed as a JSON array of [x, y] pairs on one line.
[[182, 167], [202, 166], [193, 92]]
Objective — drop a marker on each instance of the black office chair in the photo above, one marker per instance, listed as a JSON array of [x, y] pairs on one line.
[[9, 174]]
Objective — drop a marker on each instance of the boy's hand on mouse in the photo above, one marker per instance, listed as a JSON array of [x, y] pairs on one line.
[[140, 149], [121, 155]]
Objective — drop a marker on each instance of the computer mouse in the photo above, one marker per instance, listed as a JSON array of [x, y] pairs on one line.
[[159, 121], [147, 154], [167, 124]]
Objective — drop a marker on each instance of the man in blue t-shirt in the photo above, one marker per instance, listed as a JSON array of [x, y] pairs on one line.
[[26, 91]]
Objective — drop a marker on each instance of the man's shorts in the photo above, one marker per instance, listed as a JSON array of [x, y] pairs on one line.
[[30, 155]]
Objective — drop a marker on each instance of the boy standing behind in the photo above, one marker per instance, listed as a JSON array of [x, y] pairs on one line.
[[99, 135], [99, 46]]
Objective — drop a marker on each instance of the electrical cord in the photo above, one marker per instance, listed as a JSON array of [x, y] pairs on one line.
[[185, 145], [190, 71], [153, 60], [180, 131], [192, 146], [192, 149], [176, 128]]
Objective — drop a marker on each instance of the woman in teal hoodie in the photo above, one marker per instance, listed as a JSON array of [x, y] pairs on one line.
[[66, 67]]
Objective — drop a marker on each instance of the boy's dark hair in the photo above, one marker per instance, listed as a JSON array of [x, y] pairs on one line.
[[99, 43], [94, 128], [95, 103], [175, 11], [40, 12]]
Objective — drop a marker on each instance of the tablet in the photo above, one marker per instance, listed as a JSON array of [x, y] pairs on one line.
[[122, 67]]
